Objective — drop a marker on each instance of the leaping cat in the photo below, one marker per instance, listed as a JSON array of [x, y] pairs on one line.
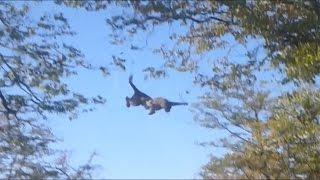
[[138, 98], [161, 103]]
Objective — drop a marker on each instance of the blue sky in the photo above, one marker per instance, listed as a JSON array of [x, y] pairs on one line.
[[129, 142]]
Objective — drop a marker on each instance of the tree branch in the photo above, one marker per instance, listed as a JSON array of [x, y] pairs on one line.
[[30, 92], [6, 106]]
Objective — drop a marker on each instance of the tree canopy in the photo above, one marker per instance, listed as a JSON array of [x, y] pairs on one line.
[[272, 123], [33, 66], [273, 134]]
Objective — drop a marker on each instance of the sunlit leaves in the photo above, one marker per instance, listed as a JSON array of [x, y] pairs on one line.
[[282, 25], [303, 62], [118, 62], [284, 146], [104, 71], [33, 68], [153, 73], [88, 5], [271, 135], [179, 59]]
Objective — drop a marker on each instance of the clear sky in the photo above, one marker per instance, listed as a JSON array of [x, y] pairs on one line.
[[129, 142]]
